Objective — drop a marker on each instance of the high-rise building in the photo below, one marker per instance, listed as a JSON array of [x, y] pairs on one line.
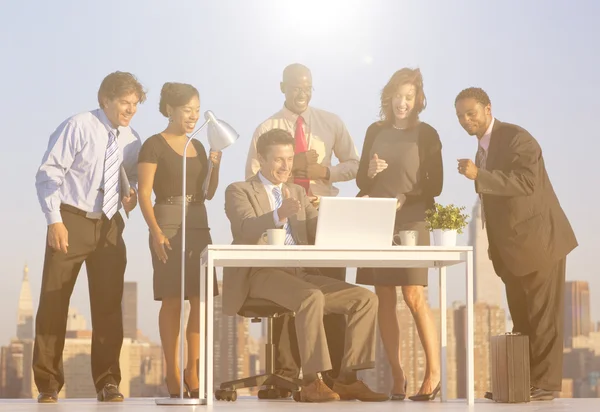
[[488, 287], [231, 345], [129, 306], [489, 320], [577, 311], [25, 311]]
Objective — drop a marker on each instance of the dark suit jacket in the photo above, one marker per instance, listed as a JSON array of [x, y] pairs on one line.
[[249, 211], [526, 226]]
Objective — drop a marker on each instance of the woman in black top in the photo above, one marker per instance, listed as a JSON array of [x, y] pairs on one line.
[[160, 169], [402, 158]]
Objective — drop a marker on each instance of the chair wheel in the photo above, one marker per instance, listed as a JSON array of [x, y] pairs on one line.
[[263, 394], [219, 394], [296, 396], [232, 396], [225, 395]]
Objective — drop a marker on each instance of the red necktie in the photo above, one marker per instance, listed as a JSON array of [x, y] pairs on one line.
[[301, 147]]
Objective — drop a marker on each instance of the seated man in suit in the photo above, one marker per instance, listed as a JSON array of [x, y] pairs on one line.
[[266, 201]]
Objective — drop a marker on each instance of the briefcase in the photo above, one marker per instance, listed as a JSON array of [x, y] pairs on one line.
[[510, 368]]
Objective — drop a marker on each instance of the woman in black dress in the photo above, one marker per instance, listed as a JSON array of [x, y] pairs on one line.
[[160, 169], [402, 158]]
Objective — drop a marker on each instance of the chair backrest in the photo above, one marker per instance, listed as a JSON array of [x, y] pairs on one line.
[[261, 308]]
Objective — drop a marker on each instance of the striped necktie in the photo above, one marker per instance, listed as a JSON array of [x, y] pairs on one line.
[[289, 238], [480, 160], [110, 203]]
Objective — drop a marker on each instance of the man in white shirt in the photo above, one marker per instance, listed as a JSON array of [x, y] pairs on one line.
[[318, 135]]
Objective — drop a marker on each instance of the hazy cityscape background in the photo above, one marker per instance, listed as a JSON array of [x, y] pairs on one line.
[[536, 59], [240, 353]]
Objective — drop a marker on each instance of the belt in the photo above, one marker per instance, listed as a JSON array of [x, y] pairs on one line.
[[89, 215], [174, 200]]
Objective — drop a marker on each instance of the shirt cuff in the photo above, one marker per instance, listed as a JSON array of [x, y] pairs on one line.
[[276, 219], [53, 217]]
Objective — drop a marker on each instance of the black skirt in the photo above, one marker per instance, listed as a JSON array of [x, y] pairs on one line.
[[167, 276]]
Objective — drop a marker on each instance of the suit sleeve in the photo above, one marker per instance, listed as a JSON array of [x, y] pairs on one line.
[[311, 216], [245, 224], [518, 179]]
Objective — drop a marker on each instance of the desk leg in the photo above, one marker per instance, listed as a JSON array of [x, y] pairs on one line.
[[210, 305], [470, 332], [443, 335], [202, 375]]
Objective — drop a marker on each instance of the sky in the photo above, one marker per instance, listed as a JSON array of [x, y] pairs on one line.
[[537, 60]]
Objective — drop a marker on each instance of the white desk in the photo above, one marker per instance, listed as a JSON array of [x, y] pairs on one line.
[[312, 256]]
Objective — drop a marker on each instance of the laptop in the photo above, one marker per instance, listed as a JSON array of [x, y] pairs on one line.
[[355, 222]]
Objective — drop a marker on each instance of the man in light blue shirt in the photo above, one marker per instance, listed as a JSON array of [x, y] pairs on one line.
[[88, 173]]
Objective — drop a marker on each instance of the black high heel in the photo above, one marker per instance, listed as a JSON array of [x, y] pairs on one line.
[[426, 396], [400, 396], [186, 393], [195, 394]]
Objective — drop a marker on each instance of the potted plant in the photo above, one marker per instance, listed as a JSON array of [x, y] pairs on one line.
[[445, 222]]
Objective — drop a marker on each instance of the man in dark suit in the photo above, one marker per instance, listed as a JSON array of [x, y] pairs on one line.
[[529, 234]]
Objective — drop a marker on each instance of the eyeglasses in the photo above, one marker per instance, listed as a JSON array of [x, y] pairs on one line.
[[306, 90]]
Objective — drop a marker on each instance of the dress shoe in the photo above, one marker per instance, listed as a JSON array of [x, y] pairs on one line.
[[426, 396], [110, 393], [48, 397], [317, 391], [360, 391], [192, 393], [539, 394]]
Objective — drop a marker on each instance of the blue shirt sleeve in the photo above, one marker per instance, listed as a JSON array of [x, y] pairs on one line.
[[63, 145]]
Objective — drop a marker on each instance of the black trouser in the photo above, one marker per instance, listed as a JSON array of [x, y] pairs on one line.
[[536, 304], [98, 243], [287, 359]]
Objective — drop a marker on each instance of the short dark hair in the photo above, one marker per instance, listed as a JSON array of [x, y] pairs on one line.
[[176, 95], [402, 76], [274, 137], [119, 84], [476, 93]]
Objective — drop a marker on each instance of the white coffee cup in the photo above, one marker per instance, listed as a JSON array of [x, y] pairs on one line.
[[406, 238], [274, 237]]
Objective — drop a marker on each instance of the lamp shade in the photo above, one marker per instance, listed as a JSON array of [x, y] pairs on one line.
[[220, 134]]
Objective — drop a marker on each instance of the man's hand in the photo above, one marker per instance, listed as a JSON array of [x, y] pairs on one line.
[[303, 159], [129, 202], [289, 206], [58, 237], [467, 168], [314, 171], [376, 166], [315, 201]]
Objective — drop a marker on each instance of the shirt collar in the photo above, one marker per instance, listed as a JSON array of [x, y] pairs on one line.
[[109, 127], [484, 142], [291, 116], [268, 184]]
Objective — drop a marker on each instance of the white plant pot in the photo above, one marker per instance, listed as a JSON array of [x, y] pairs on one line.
[[443, 237]]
